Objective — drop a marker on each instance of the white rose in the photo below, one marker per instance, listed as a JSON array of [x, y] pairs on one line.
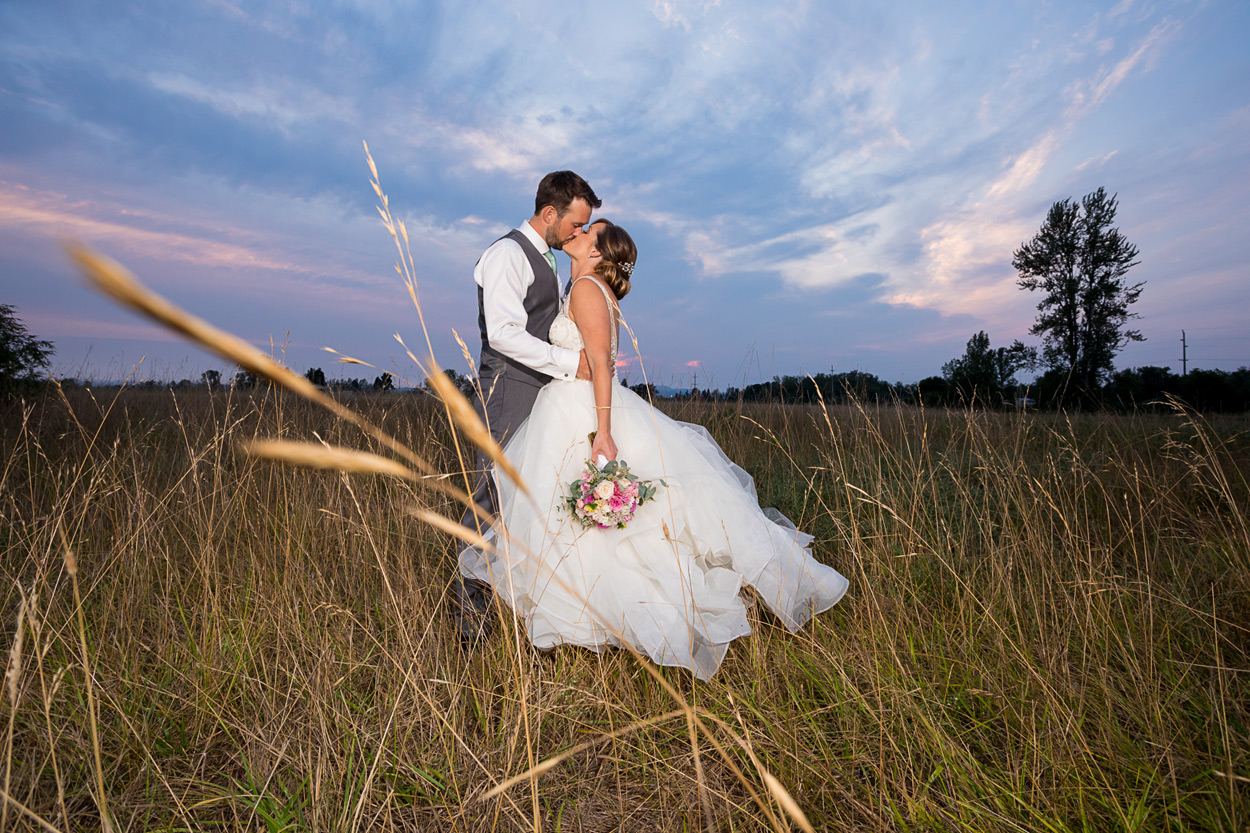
[[605, 489]]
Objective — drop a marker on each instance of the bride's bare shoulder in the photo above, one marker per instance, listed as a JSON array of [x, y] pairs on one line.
[[587, 299], [588, 287]]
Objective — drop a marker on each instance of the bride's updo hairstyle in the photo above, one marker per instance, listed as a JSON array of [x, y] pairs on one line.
[[619, 254]]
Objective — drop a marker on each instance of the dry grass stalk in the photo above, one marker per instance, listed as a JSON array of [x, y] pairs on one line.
[[453, 528], [406, 269], [786, 801], [13, 678], [26, 811], [101, 798], [399, 234], [13, 675], [321, 456], [555, 760], [466, 418], [342, 359]]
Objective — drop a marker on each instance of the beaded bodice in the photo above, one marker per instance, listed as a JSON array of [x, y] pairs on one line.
[[564, 332]]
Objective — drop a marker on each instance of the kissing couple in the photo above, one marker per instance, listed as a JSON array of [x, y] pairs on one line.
[[668, 584]]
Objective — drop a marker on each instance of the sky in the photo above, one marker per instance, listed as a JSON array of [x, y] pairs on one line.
[[812, 186]]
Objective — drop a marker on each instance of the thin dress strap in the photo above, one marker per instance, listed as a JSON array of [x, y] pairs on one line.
[[612, 310]]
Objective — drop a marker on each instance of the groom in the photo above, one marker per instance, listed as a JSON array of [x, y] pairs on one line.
[[518, 295]]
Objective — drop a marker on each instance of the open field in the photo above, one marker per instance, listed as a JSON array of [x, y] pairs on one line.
[[1048, 628]]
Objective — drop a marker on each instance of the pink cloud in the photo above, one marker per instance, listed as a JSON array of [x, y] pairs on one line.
[[58, 325], [236, 253], [55, 215]]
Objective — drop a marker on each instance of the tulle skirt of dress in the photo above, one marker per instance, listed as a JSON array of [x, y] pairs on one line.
[[668, 584]]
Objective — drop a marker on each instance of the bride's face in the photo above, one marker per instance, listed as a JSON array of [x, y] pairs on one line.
[[585, 246]]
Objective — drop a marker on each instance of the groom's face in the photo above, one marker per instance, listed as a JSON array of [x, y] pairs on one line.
[[569, 224]]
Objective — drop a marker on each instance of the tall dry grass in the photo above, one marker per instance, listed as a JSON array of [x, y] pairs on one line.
[[1048, 629]]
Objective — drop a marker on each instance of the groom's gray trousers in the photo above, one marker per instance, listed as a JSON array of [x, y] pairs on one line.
[[506, 401]]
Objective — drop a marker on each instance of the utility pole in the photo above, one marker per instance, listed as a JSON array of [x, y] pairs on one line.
[[1184, 355]]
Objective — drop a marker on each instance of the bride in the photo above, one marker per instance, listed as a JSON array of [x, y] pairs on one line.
[[668, 584]]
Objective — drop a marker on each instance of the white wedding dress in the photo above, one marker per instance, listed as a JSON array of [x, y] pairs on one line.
[[668, 584]]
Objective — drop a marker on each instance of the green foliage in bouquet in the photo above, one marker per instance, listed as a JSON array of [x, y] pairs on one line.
[[592, 503]]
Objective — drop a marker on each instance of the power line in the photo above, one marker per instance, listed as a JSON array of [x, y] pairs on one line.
[[1230, 329]]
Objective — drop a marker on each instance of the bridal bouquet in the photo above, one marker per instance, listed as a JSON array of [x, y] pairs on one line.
[[607, 496]]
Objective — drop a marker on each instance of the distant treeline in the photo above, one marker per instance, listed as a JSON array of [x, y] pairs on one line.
[[1138, 388], [1131, 389]]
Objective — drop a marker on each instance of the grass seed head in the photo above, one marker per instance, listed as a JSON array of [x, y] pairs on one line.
[[14, 674], [334, 458]]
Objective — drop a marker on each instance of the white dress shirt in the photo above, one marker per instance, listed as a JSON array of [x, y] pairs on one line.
[[505, 275]]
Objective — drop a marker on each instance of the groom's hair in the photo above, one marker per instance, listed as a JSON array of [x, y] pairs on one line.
[[559, 188]]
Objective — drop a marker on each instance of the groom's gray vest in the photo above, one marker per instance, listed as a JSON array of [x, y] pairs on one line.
[[542, 302]]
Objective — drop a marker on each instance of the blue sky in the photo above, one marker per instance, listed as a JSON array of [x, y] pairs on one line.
[[811, 185]]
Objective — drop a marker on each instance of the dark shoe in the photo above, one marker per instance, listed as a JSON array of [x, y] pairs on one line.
[[474, 617], [473, 626]]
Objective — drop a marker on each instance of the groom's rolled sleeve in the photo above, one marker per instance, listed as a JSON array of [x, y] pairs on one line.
[[505, 277]]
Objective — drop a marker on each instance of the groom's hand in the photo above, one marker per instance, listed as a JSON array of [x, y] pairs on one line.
[[583, 366]]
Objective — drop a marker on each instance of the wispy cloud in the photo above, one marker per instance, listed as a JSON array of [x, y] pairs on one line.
[[1097, 161], [283, 106], [1024, 169], [680, 12], [1088, 94], [1120, 8], [520, 147]]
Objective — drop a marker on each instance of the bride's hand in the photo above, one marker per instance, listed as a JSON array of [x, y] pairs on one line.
[[604, 445]]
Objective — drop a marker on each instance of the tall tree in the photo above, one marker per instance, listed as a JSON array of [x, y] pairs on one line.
[[21, 354], [987, 373], [1079, 261]]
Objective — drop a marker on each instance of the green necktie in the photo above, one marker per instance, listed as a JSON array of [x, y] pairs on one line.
[[551, 261]]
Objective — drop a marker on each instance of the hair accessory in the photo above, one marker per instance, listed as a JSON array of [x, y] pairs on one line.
[[627, 268]]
